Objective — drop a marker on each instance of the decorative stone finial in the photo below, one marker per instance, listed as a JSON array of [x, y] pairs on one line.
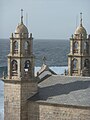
[[44, 60], [12, 35], [81, 19], [72, 36], [65, 72], [30, 35], [3, 74]]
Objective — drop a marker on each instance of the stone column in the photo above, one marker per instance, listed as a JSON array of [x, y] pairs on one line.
[[19, 68], [19, 47], [69, 66], [79, 65], [71, 46], [9, 68], [11, 46]]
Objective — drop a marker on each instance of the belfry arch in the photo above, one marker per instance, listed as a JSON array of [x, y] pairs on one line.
[[27, 47], [14, 67], [75, 47], [74, 64], [15, 47]]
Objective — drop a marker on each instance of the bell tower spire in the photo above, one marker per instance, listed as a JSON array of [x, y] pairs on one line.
[[20, 83], [81, 19], [79, 56], [22, 16]]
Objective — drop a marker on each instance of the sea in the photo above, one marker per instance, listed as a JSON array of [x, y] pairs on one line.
[[55, 51]]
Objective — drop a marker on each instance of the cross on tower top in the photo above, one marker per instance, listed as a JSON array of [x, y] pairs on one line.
[[21, 15], [81, 19]]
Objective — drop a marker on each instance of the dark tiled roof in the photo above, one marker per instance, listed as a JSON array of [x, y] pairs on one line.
[[64, 90]]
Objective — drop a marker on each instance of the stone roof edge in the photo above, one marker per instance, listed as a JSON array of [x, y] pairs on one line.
[[88, 77], [62, 105]]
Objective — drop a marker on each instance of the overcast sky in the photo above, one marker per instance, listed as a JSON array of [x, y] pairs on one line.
[[47, 19]]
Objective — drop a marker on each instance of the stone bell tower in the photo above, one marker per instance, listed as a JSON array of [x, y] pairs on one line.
[[20, 83], [79, 56]]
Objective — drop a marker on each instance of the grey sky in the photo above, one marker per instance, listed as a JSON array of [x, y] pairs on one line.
[[51, 19]]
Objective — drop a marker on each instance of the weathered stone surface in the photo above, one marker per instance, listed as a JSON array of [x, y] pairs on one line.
[[12, 101], [63, 113], [44, 111], [15, 99]]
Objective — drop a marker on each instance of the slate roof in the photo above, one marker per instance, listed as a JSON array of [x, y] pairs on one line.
[[64, 90], [45, 72]]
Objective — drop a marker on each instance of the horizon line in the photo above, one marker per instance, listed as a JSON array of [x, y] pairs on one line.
[[41, 38]]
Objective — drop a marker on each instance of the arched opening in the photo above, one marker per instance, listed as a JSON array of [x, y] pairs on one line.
[[15, 47], [75, 64], [86, 63], [75, 47], [86, 47], [14, 66], [26, 46], [27, 66]]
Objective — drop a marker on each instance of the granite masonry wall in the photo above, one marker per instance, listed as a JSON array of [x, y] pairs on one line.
[[12, 101], [16, 94], [44, 111]]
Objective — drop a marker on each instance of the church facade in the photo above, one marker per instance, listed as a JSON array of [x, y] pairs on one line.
[[79, 56], [57, 97]]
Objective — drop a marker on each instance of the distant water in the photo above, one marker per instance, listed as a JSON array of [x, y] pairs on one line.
[[55, 52]]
